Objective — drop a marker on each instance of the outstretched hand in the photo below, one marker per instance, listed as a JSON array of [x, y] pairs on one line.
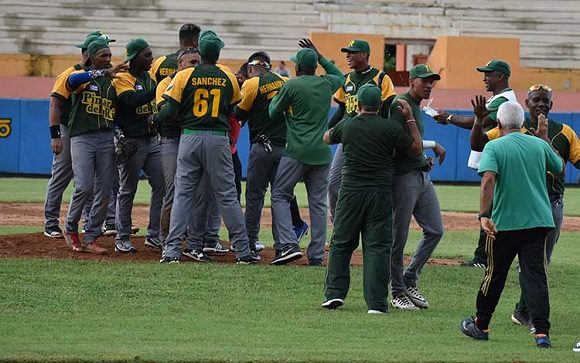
[[479, 107], [112, 72], [542, 130], [307, 43]]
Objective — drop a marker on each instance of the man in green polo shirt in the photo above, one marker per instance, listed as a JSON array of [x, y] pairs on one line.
[[303, 103], [414, 195], [496, 79], [513, 170], [564, 140], [365, 204], [204, 96]]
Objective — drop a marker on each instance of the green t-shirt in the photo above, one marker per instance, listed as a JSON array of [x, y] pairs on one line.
[[93, 107], [257, 93], [204, 95], [133, 121], [305, 101], [368, 143], [520, 198], [405, 163]]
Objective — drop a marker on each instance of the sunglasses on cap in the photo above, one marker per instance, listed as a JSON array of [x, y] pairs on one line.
[[258, 63], [539, 86], [187, 51]]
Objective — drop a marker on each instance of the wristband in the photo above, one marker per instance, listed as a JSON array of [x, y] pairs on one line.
[[410, 120], [96, 73], [483, 215], [448, 119], [55, 131], [429, 144]]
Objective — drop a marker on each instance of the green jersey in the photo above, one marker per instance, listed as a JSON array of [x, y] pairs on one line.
[[520, 198], [93, 106], [61, 91], [164, 66], [204, 95], [257, 93], [368, 143], [355, 80], [133, 120], [305, 101], [405, 163]]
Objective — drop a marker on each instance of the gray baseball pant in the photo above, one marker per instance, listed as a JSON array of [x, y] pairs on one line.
[[315, 178], [206, 216], [60, 176], [93, 163], [211, 154], [110, 217], [335, 179], [414, 195], [262, 169], [148, 158]]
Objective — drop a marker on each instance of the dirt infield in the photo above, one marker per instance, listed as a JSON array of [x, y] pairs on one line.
[[36, 245]]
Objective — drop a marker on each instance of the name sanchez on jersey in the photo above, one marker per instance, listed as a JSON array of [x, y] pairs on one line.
[[208, 81]]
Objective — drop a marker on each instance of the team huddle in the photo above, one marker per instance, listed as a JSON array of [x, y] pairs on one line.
[[177, 119]]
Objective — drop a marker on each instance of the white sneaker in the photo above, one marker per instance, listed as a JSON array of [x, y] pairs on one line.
[[401, 301], [371, 311], [332, 304], [577, 348], [416, 297]]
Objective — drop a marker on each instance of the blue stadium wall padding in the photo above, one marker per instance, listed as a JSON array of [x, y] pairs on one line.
[[10, 136], [27, 149]]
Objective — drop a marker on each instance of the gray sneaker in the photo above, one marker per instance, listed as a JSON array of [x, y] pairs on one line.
[[214, 247], [401, 301], [124, 246], [154, 242]]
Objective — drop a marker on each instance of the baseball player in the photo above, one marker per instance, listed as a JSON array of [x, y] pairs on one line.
[[267, 139], [61, 171], [496, 80], [366, 198], [513, 170], [166, 66], [170, 132], [357, 57], [564, 140], [303, 103], [204, 96], [414, 195], [136, 94], [94, 102]]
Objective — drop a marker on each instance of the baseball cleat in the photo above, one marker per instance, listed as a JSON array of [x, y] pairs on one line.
[[469, 328], [53, 232], [332, 304]]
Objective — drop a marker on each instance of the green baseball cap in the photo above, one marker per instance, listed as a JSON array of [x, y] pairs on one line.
[[357, 46], [210, 44], [92, 36], [423, 71], [134, 47], [94, 47], [496, 65], [305, 58], [369, 95]]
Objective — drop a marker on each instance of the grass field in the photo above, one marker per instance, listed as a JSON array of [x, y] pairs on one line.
[[70, 310], [460, 198]]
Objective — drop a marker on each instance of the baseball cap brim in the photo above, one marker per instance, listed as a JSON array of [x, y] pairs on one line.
[[351, 49], [484, 69], [430, 75]]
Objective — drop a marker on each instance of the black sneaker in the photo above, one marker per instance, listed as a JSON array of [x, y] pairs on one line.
[[289, 253], [197, 255], [520, 318], [154, 242], [169, 260], [249, 259], [469, 328], [473, 263], [53, 232]]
